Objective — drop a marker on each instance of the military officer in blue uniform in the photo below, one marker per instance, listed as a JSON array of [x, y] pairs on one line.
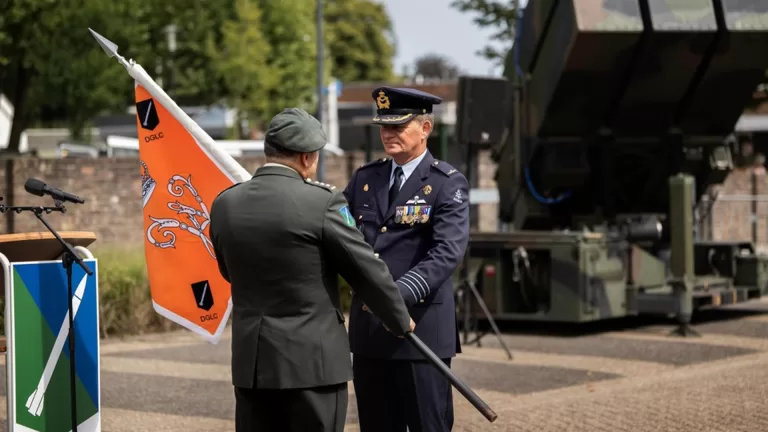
[[413, 210]]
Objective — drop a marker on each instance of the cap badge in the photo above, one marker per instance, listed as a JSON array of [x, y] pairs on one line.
[[382, 101]]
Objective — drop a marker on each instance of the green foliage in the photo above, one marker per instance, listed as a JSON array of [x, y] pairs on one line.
[[240, 59], [189, 73], [125, 304], [256, 55], [44, 71], [499, 15], [360, 38], [289, 28]]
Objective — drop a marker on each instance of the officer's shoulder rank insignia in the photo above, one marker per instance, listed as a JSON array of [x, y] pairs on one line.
[[374, 162], [347, 216], [427, 189], [444, 167], [320, 184]]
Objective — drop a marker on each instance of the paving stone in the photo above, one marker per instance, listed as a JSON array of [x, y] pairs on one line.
[[669, 352], [684, 385]]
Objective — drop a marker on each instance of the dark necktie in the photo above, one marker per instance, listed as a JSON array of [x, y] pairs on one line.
[[396, 185]]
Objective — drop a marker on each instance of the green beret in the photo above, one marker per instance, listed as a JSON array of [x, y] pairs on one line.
[[294, 129]]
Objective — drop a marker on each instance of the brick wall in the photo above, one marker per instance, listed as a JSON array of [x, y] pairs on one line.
[[112, 190]]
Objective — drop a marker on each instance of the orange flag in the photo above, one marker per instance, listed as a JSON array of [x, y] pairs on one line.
[[182, 171], [180, 178]]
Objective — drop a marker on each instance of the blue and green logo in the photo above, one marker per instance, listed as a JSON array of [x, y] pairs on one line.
[[347, 215], [41, 347]]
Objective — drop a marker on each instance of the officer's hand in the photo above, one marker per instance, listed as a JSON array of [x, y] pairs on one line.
[[412, 328]]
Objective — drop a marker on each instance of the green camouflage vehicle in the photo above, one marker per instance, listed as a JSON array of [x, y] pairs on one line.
[[625, 106]]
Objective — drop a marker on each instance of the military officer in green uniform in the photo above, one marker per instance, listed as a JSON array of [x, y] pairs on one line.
[[281, 240]]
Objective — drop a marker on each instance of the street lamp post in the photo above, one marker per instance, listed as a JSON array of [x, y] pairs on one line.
[[320, 85]]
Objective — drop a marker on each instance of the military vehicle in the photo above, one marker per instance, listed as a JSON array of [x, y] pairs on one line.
[[618, 129]]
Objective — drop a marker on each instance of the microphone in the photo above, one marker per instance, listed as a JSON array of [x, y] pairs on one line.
[[37, 187]]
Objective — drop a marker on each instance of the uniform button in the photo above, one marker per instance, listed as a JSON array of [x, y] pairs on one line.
[[384, 229], [421, 301]]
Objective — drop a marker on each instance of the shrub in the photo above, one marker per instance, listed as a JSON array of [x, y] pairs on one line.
[[125, 304]]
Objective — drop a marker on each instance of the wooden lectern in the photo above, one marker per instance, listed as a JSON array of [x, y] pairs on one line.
[[38, 246]]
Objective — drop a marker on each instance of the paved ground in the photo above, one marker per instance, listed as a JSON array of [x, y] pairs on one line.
[[623, 376]]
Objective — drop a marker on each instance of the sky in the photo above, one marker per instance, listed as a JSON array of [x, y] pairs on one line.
[[433, 26]]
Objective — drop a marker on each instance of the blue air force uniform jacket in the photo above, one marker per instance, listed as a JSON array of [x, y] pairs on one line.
[[421, 237]]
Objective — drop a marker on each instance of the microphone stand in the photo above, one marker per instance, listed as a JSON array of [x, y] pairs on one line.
[[69, 257]]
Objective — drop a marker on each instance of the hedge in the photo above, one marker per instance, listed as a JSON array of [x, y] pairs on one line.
[[125, 305]]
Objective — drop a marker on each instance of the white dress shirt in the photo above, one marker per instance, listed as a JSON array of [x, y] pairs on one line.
[[408, 168]]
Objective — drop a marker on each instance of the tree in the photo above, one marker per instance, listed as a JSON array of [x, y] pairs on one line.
[[360, 39], [289, 28], [189, 74], [51, 64], [258, 56], [5, 38], [240, 60], [497, 14], [436, 66], [53, 71]]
